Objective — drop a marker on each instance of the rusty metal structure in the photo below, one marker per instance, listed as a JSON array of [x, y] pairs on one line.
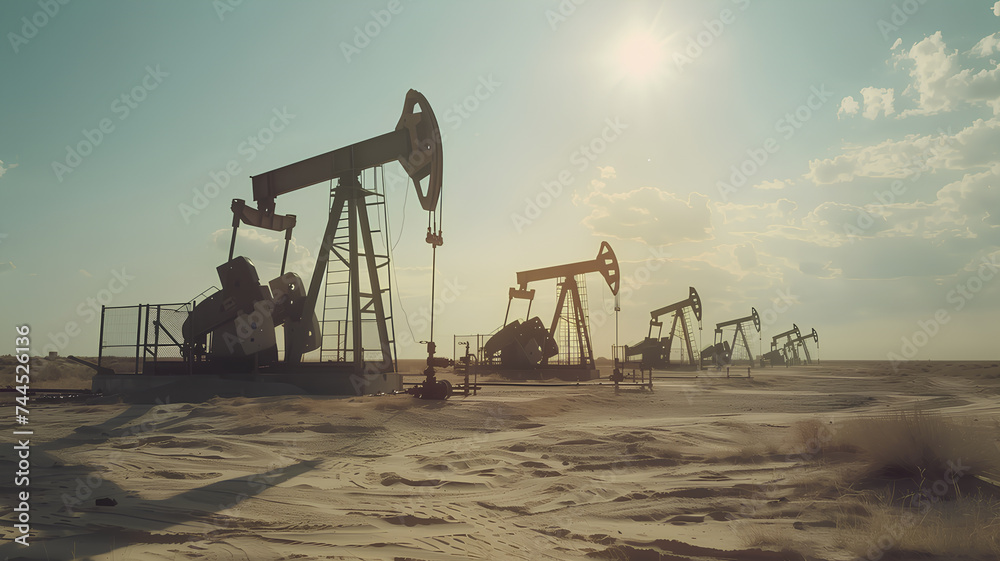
[[722, 352], [233, 330], [526, 349], [654, 352]]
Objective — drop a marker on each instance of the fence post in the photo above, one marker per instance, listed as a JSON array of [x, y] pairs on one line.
[[100, 342], [145, 339], [189, 348], [138, 334], [156, 340]]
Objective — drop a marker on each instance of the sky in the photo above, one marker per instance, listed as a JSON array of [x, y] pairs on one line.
[[831, 164]]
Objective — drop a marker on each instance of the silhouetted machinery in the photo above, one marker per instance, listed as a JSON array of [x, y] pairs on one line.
[[654, 351], [791, 348], [526, 349], [234, 328], [776, 356], [722, 352]]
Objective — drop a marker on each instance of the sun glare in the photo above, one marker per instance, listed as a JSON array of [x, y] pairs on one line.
[[641, 55]]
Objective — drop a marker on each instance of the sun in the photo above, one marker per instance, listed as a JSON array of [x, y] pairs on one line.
[[641, 56]]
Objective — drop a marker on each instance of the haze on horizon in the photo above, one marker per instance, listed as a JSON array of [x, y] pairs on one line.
[[834, 165]]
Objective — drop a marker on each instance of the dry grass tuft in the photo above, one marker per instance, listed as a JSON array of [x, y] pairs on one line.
[[919, 471], [919, 446], [764, 535], [964, 528], [811, 439]]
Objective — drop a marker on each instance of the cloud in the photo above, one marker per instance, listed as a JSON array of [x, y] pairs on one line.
[[265, 248], [940, 84], [648, 215], [975, 147], [996, 9], [773, 184], [821, 270], [7, 267], [975, 196], [848, 107], [86, 273], [746, 256], [932, 68], [841, 220], [896, 257], [893, 159], [607, 172], [877, 100], [986, 46], [5, 167], [756, 217]]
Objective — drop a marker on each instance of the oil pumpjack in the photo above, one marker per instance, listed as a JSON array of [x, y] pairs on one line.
[[790, 348], [655, 350], [776, 356], [721, 353], [232, 331], [525, 349]]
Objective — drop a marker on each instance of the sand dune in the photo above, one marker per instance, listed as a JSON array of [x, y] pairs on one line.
[[705, 468]]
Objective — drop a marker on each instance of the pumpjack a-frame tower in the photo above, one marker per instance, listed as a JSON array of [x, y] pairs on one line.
[[529, 350]]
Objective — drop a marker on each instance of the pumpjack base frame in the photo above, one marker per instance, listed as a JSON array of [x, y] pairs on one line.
[[333, 379], [566, 372]]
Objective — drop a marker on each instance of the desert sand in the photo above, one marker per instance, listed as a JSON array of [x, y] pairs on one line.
[[701, 468]]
